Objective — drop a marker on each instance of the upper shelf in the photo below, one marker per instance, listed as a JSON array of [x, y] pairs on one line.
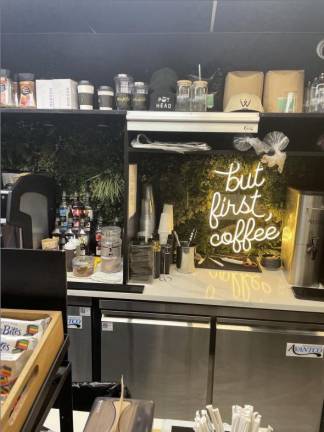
[[67, 117], [163, 121], [305, 130], [59, 112]]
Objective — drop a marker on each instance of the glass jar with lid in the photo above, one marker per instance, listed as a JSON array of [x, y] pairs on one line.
[[27, 98], [140, 96], [111, 244], [5, 88], [83, 266], [198, 99], [183, 95], [123, 91]]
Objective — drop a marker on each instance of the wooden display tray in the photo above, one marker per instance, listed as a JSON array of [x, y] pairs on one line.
[[15, 409]]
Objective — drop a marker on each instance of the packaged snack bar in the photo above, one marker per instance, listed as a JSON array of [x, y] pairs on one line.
[[16, 344], [11, 364], [4, 391], [15, 327]]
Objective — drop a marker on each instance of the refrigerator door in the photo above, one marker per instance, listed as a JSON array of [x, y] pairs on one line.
[[279, 371], [79, 330], [163, 358]]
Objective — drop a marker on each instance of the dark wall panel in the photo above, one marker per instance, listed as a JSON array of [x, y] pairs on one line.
[[96, 39], [105, 16], [270, 16], [100, 57]]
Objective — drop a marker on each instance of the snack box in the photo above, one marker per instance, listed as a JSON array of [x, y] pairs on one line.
[[16, 406]]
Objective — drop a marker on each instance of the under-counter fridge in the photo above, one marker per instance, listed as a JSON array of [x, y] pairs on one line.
[[162, 357], [277, 367], [80, 354]]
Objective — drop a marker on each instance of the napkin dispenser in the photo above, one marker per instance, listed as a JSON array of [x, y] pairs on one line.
[[136, 416]]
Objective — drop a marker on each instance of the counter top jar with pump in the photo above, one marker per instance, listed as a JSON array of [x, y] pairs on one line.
[[111, 244]]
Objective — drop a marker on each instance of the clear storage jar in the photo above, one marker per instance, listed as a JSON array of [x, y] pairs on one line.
[[123, 91], [5, 88], [83, 266], [183, 95], [199, 91], [111, 245], [27, 95], [140, 96]]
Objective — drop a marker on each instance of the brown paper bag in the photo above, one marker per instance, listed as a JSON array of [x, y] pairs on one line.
[[243, 82], [284, 91]]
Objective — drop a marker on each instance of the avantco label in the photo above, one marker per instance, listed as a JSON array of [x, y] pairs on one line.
[[304, 350], [75, 322]]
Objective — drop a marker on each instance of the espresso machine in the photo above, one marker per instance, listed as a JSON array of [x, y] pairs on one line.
[[303, 242]]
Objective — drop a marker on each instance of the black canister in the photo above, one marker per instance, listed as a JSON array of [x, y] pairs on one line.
[[85, 95], [162, 101], [165, 259], [157, 258], [105, 98]]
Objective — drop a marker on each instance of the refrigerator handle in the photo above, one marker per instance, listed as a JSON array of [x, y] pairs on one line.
[[267, 329], [156, 322]]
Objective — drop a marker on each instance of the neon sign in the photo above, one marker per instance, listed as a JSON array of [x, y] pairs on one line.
[[246, 230]]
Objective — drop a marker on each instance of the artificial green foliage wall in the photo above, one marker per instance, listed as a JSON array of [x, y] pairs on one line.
[[79, 157], [189, 182]]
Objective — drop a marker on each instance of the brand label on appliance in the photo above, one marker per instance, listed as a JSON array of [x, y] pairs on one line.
[[304, 350], [85, 311], [107, 326], [75, 322]]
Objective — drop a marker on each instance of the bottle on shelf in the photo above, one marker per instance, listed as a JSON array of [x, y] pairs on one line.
[[69, 234], [313, 96], [62, 240], [76, 214], [88, 213], [63, 211], [84, 239], [56, 231], [307, 95], [98, 236], [70, 217], [320, 94]]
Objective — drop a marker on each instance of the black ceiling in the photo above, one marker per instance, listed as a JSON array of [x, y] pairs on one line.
[[96, 39]]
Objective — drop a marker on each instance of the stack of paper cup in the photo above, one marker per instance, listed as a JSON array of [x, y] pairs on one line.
[[168, 209], [147, 221], [164, 228]]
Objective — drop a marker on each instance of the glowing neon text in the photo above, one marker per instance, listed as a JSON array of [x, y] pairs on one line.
[[246, 231]]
